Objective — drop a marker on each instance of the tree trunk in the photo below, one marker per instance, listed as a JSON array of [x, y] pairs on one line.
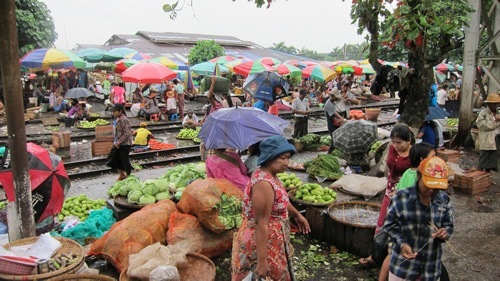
[[20, 212]]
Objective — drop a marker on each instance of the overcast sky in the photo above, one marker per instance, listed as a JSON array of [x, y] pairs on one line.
[[319, 25]]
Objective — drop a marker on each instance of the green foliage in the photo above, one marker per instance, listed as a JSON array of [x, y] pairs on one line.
[[35, 26], [204, 50]]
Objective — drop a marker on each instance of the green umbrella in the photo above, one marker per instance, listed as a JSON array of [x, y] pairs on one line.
[[207, 68], [97, 55]]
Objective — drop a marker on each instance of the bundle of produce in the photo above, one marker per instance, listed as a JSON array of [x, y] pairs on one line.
[[129, 236], [181, 175], [311, 142], [375, 146], [79, 206], [452, 122], [324, 166], [185, 227], [315, 193], [158, 145], [92, 124], [187, 134], [290, 181], [141, 193], [215, 202], [326, 140]]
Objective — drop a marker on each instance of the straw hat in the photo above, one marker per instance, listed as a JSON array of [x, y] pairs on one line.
[[334, 92], [493, 98], [170, 94]]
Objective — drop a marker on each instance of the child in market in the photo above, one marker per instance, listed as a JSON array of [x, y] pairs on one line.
[[142, 135], [418, 152]]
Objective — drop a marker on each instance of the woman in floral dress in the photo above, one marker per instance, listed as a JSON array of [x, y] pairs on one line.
[[262, 245]]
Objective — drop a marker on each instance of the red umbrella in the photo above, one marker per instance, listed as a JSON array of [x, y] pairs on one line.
[[442, 67], [49, 181], [122, 65], [148, 72], [251, 67], [269, 61]]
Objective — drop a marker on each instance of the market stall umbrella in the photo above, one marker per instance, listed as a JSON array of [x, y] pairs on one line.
[[436, 113], [443, 67], [261, 85], [319, 73], [222, 59], [207, 68], [122, 51], [288, 69], [165, 61], [239, 127], [76, 93], [251, 67], [355, 137], [49, 181], [309, 63], [137, 56], [52, 58], [367, 69], [148, 72], [269, 61], [296, 63], [97, 55], [122, 65]]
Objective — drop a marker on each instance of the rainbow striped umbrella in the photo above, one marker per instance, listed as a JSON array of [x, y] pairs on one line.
[[165, 61], [288, 69], [51, 58], [122, 51], [137, 56], [319, 73], [230, 65], [222, 59], [296, 63], [251, 67], [367, 69], [269, 61], [122, 65]]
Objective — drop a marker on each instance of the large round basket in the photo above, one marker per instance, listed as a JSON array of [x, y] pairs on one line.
[[196, 268], [291, 195], [82, 277], [122, 202], [68, 246]]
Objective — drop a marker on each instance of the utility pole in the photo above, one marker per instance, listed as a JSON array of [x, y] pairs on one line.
[[20, 212], [493, 82]]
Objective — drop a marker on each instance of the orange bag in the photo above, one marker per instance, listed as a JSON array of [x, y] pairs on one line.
[[201, 197], [187, 227], [139, 230]]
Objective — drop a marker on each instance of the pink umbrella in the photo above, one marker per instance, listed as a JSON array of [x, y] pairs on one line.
[[148, 72], [251, 67], [269, 61]]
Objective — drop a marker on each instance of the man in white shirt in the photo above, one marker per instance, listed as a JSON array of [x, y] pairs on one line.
[[190, 121], [347, 99], [441, 95], [300, 109]]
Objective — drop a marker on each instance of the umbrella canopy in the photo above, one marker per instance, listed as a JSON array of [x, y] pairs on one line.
[[239, 127], [207, 68], [52, 58], [296, 63], [319, 73], [269, 61], [251, 67], [122, 65], [137, 56], [443, 67], [222, 59], [436, 113], [309, 63], [355, 137], [76, 93], [262, 86], [288, 69], [49, 181], [97, 55], [148, 72], [165, 61], [122, 51], [367, 69]]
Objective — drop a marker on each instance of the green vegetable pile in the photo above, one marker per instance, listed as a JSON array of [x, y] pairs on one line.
[[80, 206], [290, 181], [452, 122], [229, 211], [180, 176], [315, 193], [375, 146], [325, 166], [326, 140], [93, 124], [187, 134], [3, 205], [311, 142], [142, 193]]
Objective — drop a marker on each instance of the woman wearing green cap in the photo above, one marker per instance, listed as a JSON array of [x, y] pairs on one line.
[[262, 245]]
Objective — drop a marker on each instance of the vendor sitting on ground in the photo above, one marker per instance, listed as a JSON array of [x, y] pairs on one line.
[[78, 111], [151, 105], [190, 120], [137, 102], [171, 103], [142, 135]]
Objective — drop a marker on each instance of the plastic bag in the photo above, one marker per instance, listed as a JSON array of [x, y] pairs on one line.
[[149, 258], [98, 222], [44, 247], [365, 186], [165, 273]]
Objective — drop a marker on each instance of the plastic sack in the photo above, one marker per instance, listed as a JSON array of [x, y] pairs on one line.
[[149, 258], [165, 273], [365, 186], [134, 233], [98, 222], [44, 247], [184, 227], [201, 197]]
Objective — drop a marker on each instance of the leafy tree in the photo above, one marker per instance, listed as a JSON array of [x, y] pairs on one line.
[[204, 50], [35, 26]]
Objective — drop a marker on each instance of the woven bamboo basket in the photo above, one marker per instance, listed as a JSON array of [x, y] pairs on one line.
[[68, 246], [82, 277], [291, 196]]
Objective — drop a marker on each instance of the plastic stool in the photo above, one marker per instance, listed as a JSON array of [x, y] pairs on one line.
[[174, 117], [154, 117]]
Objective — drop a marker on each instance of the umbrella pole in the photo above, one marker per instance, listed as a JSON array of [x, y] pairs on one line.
[[20, 212]]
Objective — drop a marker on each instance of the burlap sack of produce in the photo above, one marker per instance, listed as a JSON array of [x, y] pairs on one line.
[[184, 227], [129, 236], [202, 198], [365, 186]]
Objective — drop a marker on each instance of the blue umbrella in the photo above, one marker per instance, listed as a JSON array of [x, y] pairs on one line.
[[261, 86], [239, 127], [436, 113]]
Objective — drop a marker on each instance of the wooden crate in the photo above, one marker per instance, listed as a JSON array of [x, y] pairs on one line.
[[104, 133], [473, 182], [101, 147], [61, 139], [449, 155]]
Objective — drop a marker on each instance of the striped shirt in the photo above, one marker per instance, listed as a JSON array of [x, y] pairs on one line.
[[123, 131]]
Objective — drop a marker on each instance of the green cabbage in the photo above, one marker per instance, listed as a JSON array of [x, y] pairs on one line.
[[178, 195], [132, 185], [147, 199], [162, 195], [172, 186], [134, 196], [162, 185], [123, 191], [149, 189]]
